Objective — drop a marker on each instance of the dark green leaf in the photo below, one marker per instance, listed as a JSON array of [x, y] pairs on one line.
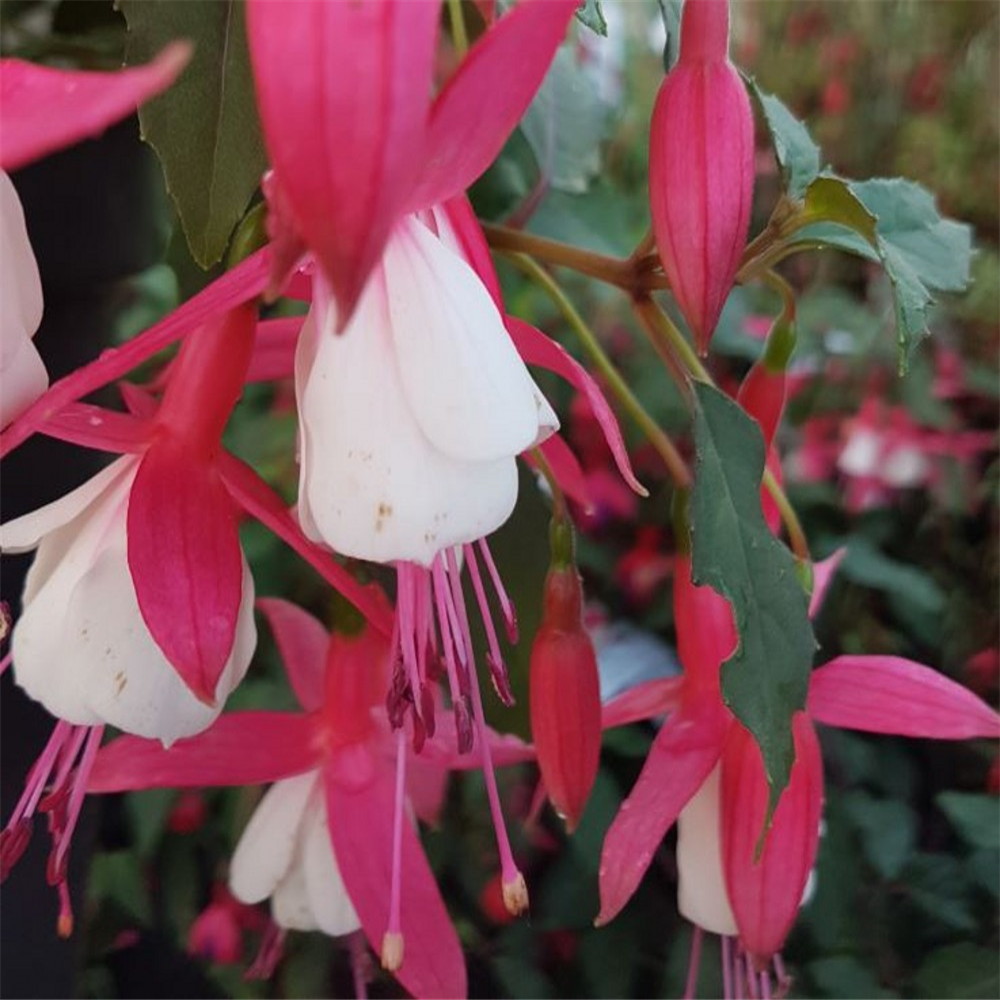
[[204, 128], [975, 817], [866, 565], [938, 885], [566, 124], [960, 970], [844, 976], [590, 15], [115, 876], [798, 155], [670, 11], [764, 682]]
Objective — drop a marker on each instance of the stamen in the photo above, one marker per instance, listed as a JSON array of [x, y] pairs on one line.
[[727, 967], [272, 946], [64, 923], [360, 964], [694, 965], [460, 705], [5, 662], [506, 606], [765, 985], [390, 946], [498, 669]]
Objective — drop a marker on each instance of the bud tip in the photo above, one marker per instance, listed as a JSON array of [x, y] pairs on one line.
[[515, 895]]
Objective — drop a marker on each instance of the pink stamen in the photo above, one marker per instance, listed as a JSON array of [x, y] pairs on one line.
[[506, 606], [765, 986], [272, 945], [498, 670], [79, 790], [747, 970], [395, 927], [694, 965], [6, 662], [458, 698], [727, 967], [38, 775], [360, 964]]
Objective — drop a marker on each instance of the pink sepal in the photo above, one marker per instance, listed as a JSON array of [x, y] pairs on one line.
[[235, 287], [346, 129], [648, 700], [274, 349], [361, 828], [682, 756], [566, 469], [186, 563], [766, 894], [302, 642], [241, 748], [46, 109], [505, 749], [823, 574], [888, 694], [473, 116], [537, 349], [261, 502], [98, 428]]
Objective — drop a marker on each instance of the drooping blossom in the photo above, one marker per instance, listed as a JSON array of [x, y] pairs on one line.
[[701, 168], [45, 109], [705, 772], [359, 76], [331, 843]]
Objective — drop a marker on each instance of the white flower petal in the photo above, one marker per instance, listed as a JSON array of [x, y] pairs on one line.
[[465, 383], [23, 377], [26, 532], [20, 284], [372, 485], [265, 851], [81, 647], [331, 906], [701, 889], [861, 455]]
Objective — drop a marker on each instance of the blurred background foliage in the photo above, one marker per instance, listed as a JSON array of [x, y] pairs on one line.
[[903, 472]]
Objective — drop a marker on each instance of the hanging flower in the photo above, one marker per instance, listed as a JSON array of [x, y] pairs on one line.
[[701, 168]]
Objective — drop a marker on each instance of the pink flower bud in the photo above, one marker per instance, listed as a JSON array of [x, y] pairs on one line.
[[565, 697], [701, 168]]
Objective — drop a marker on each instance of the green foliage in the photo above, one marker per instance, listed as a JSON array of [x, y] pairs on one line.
[[798, 155], [764, 682], [204, 128], [975, 817], [590, 15]]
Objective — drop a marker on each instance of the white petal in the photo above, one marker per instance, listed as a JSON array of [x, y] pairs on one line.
[[464, 381], [862, 453], [23, 377], [372, 485], [701, 889], [290, 906], [265, 851], [20, 284], [26, 532], [331, 906], [904, 467], [82, 649]]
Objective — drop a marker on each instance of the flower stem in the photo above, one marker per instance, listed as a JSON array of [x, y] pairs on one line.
[[661, 327], [558, 499], [459, 37], [675, 464]]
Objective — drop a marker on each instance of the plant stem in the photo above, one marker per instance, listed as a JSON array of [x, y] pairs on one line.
[[558, 498], [660, 326], [458, 34], [675, 464]]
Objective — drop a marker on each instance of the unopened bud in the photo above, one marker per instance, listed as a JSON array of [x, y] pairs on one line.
[[392, 951], [515, 895]]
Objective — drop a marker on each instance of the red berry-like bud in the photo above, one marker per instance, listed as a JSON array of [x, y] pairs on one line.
[[701, 168], [565, 697]]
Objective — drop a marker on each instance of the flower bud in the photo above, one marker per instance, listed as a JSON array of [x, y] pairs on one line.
[[565, 696], [701, 168]]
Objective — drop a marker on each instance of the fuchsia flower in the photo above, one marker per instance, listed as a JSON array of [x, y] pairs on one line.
[[331, 842], [358, 76], [705, 772], [701, 168], [43, 110]]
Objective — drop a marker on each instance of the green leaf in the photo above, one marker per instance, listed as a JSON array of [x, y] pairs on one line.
[[115, 876], [670, 11], [850, 225], [844, 976], [764, 682], [590, 15], [960, 970], [975, 817], [204, 128], [921, 252], [798, 155], [566, 124]]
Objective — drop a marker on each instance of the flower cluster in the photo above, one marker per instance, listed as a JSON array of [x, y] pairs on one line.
[[414, 403]]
